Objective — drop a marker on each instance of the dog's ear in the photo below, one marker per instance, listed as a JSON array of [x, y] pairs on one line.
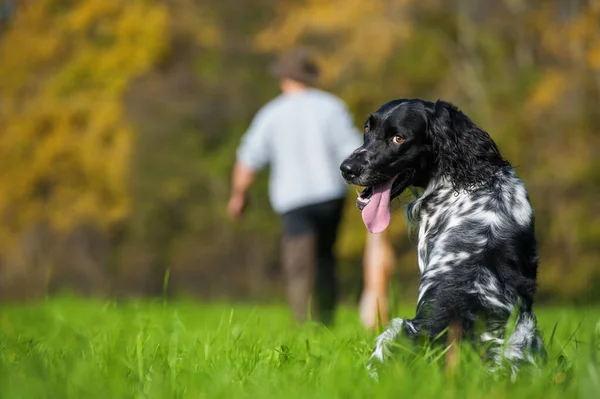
[[462, 151]]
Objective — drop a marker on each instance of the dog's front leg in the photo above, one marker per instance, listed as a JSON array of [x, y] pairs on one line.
[[385, 342]]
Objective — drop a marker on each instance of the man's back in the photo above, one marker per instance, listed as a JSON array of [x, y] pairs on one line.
[[304, 136]]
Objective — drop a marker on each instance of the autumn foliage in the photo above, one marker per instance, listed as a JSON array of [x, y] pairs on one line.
[[119, 120]]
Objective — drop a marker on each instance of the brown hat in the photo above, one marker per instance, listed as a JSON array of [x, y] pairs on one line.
[[296, 64]]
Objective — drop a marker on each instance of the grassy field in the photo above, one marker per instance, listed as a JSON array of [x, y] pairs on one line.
[[83, 349]]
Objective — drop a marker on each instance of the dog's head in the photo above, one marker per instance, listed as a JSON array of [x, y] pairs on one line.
[[408, 143]]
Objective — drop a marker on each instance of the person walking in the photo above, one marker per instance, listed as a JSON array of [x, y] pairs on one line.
[[303, 134]]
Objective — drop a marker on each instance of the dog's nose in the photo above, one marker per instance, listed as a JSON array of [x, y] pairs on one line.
[[350, 170]]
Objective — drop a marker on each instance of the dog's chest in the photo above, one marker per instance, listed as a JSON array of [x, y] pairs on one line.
[[468, 220], [439, 215]]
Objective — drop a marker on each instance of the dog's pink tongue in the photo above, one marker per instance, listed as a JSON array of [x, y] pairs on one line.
[[376, 215]]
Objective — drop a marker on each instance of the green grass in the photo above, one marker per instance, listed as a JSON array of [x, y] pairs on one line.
[[83, 349]]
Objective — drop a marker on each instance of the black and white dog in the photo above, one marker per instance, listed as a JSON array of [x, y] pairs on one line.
[[476, 246]]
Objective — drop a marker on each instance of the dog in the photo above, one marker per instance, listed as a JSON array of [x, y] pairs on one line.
[[477, 250]]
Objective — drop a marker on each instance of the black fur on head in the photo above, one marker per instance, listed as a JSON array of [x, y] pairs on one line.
[[415, 141], [462, 152]]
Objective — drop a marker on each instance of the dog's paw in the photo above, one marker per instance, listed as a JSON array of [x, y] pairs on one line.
[[373, 369], [380, 352], [383, 345]]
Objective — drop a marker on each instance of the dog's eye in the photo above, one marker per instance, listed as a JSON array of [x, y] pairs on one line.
[[366, 129], [398, 139]]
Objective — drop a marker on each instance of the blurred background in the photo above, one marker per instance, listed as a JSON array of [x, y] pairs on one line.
[[119, 121]]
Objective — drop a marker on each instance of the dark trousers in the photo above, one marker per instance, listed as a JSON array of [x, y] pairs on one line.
[[309, 235]]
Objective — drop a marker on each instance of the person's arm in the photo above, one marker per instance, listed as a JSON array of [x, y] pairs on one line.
[[252, 156], [241, 181]]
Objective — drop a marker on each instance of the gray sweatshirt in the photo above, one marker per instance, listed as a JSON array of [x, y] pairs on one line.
[[304, 137]]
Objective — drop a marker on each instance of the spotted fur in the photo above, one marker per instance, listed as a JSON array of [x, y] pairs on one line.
[[477, 251]]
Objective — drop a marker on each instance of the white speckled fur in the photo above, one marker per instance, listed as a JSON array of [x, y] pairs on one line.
[[441, 214]]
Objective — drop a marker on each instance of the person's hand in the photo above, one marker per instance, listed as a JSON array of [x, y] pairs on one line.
[[236, 206]]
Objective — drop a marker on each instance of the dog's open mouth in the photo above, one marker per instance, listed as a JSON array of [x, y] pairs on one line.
[[374, 202]]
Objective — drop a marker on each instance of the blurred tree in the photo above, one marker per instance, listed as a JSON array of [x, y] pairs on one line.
[[192, 108], [119, 121], [359, 44], [527, 70], [64, 142]]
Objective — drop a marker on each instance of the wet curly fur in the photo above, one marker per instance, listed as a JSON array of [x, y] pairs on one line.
[[477, 249]]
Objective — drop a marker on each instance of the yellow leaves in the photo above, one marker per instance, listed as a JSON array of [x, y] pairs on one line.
[[573, 45], [544, 96], [142, 30], [86, 13], [111, 48], [62, 170], [593, 56], [564, 141], [199, 21], [21, 49], [354, 18], [208, 35], [66, 144], [572, 40], [356, 33]]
